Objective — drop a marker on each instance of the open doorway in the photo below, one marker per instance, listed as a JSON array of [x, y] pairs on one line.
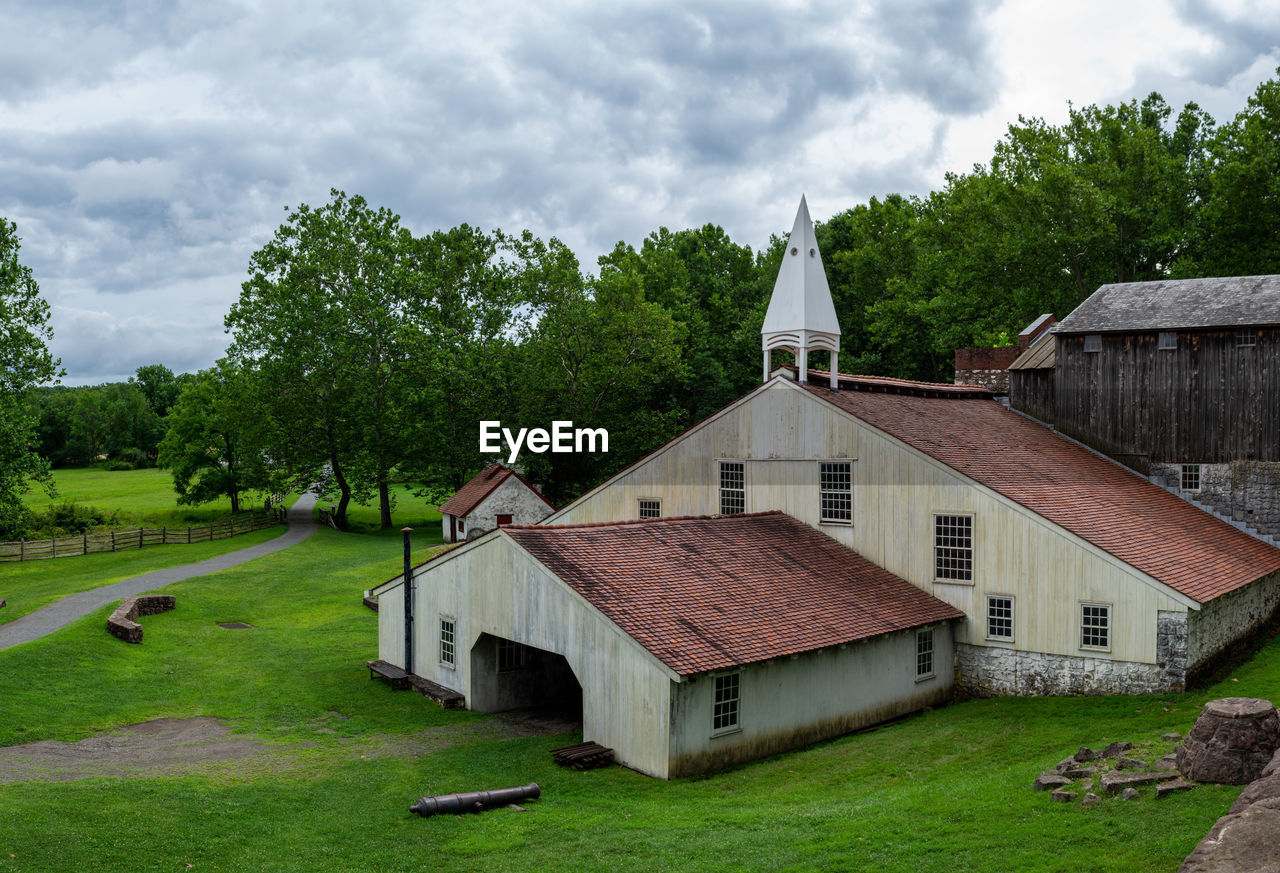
[[507, 676]]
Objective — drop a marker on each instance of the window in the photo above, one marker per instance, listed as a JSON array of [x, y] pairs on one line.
[[999, 617], [650, 508], [1167, 340], [462, 527], [953, 548], [724, 715], [1246, 336], [511, 656], [1190, 478], [1093, 342], [1095, 626], [835, 492], [504, 520], [924, 654], [446, 641], [733, 487]]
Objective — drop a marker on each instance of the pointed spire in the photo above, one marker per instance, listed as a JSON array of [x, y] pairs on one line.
[[801, 315]]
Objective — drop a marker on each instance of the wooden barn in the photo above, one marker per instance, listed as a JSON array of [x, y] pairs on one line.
[[826, 552], [1179, 380], [494, 497]]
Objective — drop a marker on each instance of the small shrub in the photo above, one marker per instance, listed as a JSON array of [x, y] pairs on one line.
[[67, 518], [120, 465]]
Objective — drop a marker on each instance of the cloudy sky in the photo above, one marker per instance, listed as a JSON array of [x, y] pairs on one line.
[[147, 149]]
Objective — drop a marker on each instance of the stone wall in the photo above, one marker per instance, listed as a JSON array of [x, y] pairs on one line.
[[988, 671], [513, 498], [988, 368], [1230, 618], [1246, 491]]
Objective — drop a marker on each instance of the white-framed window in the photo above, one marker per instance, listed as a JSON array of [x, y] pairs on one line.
[[953, 548], [733, 487], [728, 696], [1167, 340], [448, 636], [1189, 480], [999, 617], [511, 656], [1246, 336], [835, 492], [924, 654], [1093, 342], [650, 508], [1095, 626]]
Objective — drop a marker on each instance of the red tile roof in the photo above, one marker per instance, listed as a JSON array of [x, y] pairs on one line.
[[471, 495], [1117, 510], [704, 592]]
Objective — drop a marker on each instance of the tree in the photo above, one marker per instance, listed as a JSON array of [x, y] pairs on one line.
[[25, 362], [320, 320], [212, 444]]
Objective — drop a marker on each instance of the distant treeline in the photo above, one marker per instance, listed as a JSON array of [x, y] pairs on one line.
[[362, 353]]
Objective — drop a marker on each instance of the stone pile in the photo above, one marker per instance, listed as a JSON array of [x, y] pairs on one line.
[[1117, 769], [1232, 741]]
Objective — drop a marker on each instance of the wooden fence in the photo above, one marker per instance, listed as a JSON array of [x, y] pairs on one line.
[[116, 540]]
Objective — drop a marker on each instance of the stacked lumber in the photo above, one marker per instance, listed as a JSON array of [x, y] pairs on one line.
[[583, 756]]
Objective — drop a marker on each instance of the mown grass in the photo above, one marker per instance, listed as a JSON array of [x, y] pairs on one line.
[[945, 791], [138, 498], [409, 511]]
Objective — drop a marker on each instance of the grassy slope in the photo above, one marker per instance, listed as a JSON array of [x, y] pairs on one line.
[[945, 791], [139, 497]]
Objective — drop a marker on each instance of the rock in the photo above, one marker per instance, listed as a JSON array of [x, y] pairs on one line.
[[517, 807], [1274, 766], [1084, 753], [1129, 794], [1258, 789], [1066, 764], [1080, 772], [1232, 740], [1115, 749], [1166, 788], [1239, 843], [1171, 737], [1113, 783], [1166, 763], [1086, 786], [1090, 799], [1048, 781], [1063, 796], [1130, 764]]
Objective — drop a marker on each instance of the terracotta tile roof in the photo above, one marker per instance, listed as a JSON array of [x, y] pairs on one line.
[[1109, 506], [704, 592], [470, 495]]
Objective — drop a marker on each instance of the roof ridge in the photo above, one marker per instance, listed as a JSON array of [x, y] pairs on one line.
[[867, 382], [640, 521]]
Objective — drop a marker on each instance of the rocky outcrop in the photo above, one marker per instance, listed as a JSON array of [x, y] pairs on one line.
[[1232, 741], [1241, 843]]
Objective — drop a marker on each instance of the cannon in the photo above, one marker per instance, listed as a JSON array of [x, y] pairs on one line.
[[474, 801]]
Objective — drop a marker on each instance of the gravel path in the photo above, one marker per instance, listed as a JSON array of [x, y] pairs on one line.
[[62, 612]]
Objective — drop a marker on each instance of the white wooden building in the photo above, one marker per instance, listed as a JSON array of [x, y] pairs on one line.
[[796, 557], [494, 497]]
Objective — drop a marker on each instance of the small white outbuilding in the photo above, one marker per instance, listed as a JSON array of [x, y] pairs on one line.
[[495, 497]]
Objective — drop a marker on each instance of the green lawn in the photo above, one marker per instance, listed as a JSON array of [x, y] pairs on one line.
[[949, 790], [409, 511], [140, 498]]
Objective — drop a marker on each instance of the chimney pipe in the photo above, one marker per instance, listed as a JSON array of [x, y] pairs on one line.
[[408, 602]]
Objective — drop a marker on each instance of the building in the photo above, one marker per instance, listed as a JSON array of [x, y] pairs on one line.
[[1179, 380], [989, 367], [492, 498], [826, 552]]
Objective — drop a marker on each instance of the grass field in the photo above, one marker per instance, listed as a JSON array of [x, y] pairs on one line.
[[945, 791], [138, 497]]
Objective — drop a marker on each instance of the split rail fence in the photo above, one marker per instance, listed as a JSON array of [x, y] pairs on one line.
[[118, 540]]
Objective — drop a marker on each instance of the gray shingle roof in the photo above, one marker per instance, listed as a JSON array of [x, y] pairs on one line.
[[1173, 304]]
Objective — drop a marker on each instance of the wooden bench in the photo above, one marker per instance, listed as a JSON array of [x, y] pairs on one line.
[[389, 673]]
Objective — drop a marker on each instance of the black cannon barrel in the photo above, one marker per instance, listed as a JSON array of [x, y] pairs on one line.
[[474, 801]]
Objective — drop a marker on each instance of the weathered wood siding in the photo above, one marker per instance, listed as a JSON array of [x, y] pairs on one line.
[[1208, 401], [782, 432], [1031, 391], [495, 587]]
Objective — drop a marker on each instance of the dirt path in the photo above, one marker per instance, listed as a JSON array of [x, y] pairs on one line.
[[207, 746], [62, 612]]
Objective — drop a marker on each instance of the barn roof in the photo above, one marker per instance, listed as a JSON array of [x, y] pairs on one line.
[[1120, 512], [1173, 304], [709, 592], [1040, 356], [480, 486]]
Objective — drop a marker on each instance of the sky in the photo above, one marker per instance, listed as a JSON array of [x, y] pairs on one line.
[[148, 149]]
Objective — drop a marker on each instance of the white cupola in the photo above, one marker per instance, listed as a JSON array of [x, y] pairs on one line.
[[801, 316]]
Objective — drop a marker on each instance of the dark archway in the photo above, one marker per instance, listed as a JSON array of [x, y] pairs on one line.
[[506, 676]]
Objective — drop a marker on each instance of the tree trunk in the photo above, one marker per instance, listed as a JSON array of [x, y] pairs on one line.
[[235, 501], [384, 501], [344, 497]]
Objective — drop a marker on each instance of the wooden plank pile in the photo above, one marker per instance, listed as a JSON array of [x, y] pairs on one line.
[[583, 756]]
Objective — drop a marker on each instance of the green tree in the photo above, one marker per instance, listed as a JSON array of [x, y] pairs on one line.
[[213, 443], [25, 362]]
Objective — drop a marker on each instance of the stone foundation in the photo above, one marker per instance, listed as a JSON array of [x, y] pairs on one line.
[[1245, 491], [1229, 621], [988, 671]]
